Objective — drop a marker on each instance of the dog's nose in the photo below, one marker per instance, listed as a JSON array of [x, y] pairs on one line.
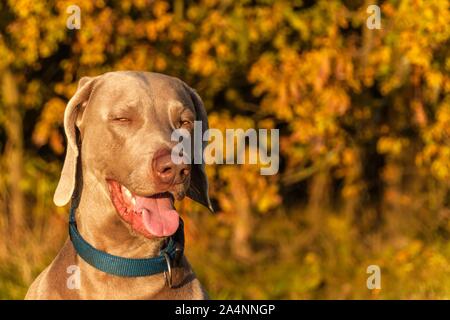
[[167, 172]]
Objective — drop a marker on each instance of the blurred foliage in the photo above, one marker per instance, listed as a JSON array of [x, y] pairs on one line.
[[364, 118]]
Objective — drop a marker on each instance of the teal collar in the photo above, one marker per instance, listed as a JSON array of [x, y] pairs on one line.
[[128, 267]]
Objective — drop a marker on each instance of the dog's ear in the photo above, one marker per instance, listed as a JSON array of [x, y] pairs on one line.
[[198, 189], [66, 185]]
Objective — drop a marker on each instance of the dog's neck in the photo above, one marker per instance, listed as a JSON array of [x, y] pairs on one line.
[[100, 225]]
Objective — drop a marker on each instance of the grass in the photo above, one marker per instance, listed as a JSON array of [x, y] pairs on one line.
[[294, 256]]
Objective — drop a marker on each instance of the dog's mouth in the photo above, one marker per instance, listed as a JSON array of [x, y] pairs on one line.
[[152, 216]]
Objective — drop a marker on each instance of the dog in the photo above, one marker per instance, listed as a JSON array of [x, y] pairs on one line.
[[122, 182]]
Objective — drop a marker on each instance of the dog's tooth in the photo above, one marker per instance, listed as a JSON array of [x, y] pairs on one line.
[[133, 201], [126, 192]]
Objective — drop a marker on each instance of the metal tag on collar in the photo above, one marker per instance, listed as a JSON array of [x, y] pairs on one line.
[[168, 273]]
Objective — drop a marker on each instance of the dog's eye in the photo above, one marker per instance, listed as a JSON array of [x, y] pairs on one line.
[[185, 124], [120, 119]]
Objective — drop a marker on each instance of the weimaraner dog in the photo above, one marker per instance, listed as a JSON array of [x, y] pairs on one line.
[[122, 182]]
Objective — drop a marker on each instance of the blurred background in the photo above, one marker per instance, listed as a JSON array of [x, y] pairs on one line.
[[364, 119]]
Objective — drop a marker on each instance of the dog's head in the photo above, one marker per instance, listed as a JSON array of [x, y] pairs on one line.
[[119, 126]]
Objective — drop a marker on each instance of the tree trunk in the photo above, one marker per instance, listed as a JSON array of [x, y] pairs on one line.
[[13, 152], [319, 191], [242, 220]]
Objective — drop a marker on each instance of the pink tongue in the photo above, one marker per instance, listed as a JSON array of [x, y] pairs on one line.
[[158, 215]]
